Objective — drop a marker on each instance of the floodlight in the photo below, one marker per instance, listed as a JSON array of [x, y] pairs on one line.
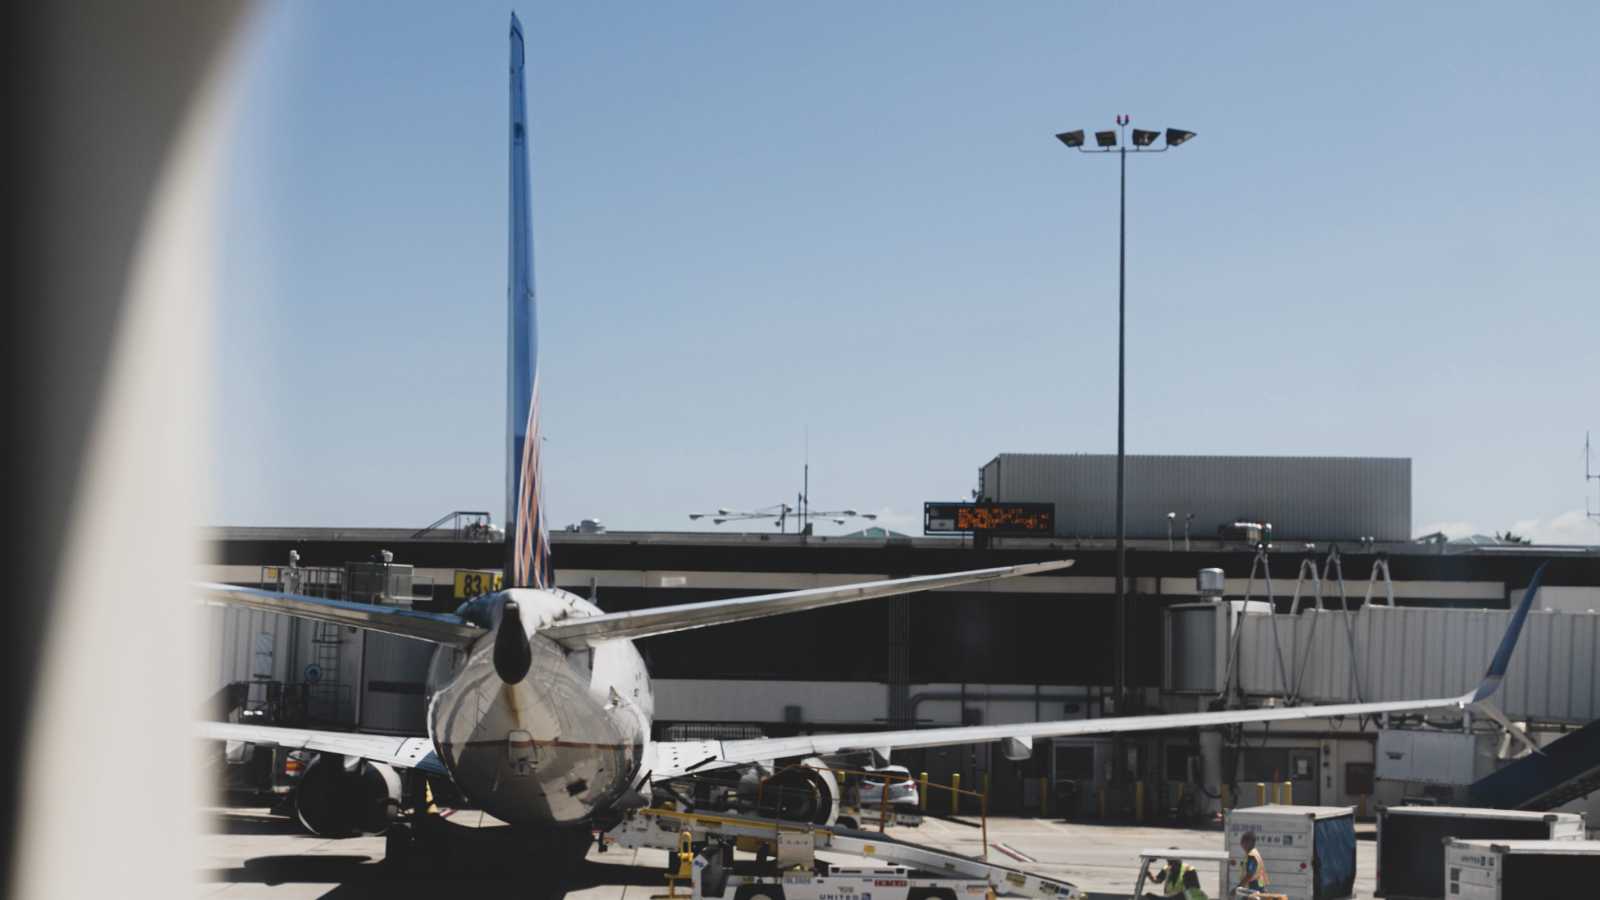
[[869, 515], [1176, 136], [1143, 138], [1071, 138], [1105, 138]]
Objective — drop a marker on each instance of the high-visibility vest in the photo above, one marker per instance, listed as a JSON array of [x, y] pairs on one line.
[[1260, 879], [1172, 885]]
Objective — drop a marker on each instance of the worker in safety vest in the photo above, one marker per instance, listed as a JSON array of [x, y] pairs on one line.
[[1252, 870], [1176, 880]]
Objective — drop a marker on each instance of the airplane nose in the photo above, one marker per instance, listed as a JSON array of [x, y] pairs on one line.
[[512, 655]]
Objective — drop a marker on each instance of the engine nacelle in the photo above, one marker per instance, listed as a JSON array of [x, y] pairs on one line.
[[804, 792], [339, 799]]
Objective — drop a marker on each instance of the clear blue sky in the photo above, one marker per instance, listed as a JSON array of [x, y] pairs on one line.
[[756, 219]]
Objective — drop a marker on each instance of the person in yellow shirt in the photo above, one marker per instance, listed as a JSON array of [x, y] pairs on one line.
[[1252, 869]]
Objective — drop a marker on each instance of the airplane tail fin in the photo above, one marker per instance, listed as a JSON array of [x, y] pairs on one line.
[[1508, 644], [527, 532]]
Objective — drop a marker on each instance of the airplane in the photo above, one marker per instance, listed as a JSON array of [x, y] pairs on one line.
[[540, 706]]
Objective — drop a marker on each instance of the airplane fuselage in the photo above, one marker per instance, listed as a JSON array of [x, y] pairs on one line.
[[556, 747]]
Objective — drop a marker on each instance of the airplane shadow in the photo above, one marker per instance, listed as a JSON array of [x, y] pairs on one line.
[[355, 876], [488, 862]]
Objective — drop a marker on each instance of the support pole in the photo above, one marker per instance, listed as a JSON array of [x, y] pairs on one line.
[[983, 815], [883, 807]]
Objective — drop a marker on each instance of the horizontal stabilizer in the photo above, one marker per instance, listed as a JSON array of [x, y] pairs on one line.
[[404, 752], [578, 633], [436, 628]]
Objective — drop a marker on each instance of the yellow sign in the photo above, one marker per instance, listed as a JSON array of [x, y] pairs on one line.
[[471, 583]]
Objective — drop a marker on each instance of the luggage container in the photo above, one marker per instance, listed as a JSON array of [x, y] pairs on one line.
[[1521, 870], [1309, 851], [1411, 841]]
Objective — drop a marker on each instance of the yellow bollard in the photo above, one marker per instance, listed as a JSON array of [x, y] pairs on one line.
[[1288, 793], [922, 790], [1138, 801], [1226, 797], [955, 794]]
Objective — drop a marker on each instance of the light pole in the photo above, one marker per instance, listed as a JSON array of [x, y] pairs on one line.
[[1106, 142]]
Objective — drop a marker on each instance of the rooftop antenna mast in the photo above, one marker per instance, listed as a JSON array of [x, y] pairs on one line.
[[1588, 477], [807, 514]]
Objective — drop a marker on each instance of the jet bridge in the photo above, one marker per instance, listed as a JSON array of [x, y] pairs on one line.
[[1352, 644], [661, 829]]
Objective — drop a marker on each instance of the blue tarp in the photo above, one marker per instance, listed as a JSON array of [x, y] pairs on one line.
[[1334, 840]]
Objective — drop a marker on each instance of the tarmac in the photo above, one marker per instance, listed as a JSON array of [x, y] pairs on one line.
[[249, 852]]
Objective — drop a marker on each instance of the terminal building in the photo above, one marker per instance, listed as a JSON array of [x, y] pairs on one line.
[[1359, 612]]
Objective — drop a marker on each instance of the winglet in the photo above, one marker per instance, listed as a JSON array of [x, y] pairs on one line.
[[1508, 644]]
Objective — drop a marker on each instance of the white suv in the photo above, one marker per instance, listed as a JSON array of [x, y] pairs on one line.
[[902, 788]]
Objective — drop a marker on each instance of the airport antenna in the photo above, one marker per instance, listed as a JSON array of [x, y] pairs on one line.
[[1588, 477], [778, 512]]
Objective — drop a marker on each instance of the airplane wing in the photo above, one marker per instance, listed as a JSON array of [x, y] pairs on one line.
[[437, 628], [579, 633], [403, 752], [691, 757]]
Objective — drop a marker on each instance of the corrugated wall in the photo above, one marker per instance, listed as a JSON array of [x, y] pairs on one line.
[[1311, 497], [1412, 652]]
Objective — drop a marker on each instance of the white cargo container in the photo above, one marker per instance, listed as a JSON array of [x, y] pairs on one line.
[[1309, 851], [1521, 870], [1432, 757], [1411, 841]]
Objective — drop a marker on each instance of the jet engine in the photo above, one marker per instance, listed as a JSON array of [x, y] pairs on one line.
[[803, 792], [339, 798]]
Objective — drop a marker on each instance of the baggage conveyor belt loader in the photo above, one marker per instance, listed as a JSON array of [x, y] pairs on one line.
[[913, 871]]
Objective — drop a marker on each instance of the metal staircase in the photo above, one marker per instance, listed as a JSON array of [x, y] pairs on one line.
[[1566, 769]]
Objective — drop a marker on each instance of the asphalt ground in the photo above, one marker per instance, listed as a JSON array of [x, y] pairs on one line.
[[249, 852]]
